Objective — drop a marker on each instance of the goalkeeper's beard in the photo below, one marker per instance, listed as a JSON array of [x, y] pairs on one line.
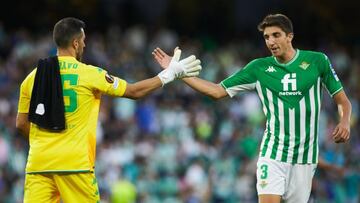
[[79, 55]]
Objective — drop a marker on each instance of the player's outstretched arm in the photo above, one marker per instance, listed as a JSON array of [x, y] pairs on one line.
[[142, 88], [213, 90], [341, 132], [175, 68]]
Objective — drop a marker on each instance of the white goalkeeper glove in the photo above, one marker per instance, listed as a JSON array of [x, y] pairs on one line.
[[188, 67]]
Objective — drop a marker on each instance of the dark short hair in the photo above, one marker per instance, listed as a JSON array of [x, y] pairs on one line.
[[66, 30], [278, 20]]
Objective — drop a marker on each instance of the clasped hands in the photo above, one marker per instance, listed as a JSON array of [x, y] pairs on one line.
[[174, 68]]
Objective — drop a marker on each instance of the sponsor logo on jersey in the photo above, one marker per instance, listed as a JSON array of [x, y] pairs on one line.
[[289, 85], [297, 93], [109, 78], [270, 69], [304, 65], [289, 80]]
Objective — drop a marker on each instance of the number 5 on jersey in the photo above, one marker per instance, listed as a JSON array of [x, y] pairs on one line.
[[70, 95]]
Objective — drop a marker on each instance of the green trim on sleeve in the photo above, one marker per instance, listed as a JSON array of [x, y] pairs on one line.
[[222, 84], [336, 91]]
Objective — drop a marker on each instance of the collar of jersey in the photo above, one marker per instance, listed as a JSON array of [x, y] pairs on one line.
[[291, 61], [67, 57]]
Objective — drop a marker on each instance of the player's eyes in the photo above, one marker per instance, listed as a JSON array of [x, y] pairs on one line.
[[277, 35]]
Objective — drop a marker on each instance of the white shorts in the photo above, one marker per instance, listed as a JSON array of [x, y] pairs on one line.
[[291, 181]]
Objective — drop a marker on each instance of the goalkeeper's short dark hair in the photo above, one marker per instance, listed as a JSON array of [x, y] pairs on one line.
[[66, 30], [278, 20]]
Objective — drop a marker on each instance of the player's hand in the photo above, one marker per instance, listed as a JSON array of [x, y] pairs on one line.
[[341, 132], [164, 60], [188, 67], [177, 68], [161, 57]]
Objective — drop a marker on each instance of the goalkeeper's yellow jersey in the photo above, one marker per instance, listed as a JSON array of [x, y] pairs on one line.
[[74, 149]]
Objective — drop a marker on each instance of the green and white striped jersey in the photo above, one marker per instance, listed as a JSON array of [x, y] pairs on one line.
[[291, 97]]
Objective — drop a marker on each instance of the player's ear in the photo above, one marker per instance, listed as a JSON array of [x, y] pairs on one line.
[[75, 43], [290, 36]]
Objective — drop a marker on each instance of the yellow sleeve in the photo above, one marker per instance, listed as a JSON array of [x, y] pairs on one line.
[[25, 93], [106, 83]]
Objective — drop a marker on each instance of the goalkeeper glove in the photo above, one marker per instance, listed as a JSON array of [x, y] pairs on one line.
[[188, 67]]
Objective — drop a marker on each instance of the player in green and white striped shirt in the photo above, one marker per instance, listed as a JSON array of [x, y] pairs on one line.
[[290, 93], [289, 84]]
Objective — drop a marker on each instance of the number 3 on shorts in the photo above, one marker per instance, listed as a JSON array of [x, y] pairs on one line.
[[264, 171]]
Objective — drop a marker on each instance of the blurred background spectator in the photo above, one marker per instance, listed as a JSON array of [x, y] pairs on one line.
[[177, 145]]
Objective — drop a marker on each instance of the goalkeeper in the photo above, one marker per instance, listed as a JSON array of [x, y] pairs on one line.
[[61, 97]]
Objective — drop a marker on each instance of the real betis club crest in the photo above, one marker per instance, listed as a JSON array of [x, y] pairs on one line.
[[263, 184], [304, 65]]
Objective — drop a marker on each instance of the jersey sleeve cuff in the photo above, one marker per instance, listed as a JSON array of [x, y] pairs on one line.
[[336, 91], [230, 93]]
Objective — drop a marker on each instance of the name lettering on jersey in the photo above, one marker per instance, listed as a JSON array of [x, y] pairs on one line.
[[270, 69], [304, 65], [64, 65], [289, 80]]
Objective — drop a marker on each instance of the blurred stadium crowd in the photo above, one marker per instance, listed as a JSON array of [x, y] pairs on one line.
[[176, 145]]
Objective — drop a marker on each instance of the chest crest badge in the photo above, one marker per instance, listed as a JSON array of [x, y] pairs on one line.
[[304, 65]]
